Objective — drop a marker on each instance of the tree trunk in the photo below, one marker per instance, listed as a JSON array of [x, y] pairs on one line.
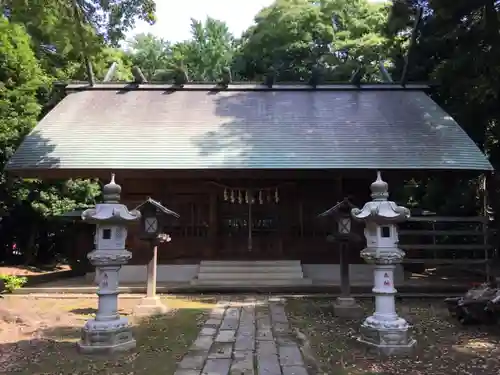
[[29, 250]]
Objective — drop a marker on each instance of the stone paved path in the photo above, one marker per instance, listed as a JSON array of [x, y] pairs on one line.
[[246, 338]]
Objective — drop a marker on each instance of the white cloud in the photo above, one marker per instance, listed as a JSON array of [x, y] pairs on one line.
[[174, 19]]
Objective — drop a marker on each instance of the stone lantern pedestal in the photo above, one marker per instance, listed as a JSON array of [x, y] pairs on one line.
[[384, 331], [108, 332]]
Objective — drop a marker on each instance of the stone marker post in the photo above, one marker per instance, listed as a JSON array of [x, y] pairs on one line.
[[108, 332], [384, 330]]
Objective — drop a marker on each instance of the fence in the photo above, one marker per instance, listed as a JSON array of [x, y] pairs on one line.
[[444, 240]]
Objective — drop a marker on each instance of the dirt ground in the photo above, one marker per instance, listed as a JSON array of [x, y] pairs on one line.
[[38, 336], [444, 346], [32, 271]]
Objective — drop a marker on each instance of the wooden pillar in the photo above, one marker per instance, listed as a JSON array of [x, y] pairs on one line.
[[339, 188], [213, 225]]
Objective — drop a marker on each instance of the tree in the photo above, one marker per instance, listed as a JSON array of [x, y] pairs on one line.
[[150, 53], [62, 32], [20, 78], [210, 49], [28, 202], [456, 39], [106, 57], [294, 35]]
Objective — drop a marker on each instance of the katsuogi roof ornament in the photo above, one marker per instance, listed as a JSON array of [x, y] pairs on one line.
[[380, 209]]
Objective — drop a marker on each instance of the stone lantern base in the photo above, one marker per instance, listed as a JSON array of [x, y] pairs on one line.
[[387, 341], [106, 337], [150, 306], [347, 308]]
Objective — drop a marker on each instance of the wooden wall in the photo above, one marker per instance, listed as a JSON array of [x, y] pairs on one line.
[[212, 228]]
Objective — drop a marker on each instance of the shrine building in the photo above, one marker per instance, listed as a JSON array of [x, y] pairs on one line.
[[247, 167]]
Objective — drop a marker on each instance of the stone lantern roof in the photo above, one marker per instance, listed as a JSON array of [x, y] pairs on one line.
[[380, 210], [111, 211]]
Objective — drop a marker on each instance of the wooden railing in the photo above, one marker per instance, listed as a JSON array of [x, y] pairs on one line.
[[440, 240]]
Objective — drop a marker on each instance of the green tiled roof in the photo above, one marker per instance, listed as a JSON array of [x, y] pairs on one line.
[[246, 129]]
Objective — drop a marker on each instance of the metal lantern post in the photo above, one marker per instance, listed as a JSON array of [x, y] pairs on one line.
[[153, 217], [384, 330], [345, 305]]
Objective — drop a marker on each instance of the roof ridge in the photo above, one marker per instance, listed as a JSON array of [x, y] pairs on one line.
[[244, 86]]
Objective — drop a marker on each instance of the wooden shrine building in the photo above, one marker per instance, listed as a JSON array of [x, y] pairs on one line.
[[247, 167]]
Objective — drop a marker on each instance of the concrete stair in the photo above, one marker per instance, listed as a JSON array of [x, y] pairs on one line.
[[250, 274]]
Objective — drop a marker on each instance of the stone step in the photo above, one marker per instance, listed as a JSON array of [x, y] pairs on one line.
[[250, 263], [246, 269], [249, 275], [251, 283]]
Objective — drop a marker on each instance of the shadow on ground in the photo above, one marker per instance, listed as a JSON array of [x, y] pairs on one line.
[[161, 342]]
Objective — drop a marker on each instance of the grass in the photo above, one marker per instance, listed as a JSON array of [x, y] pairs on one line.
[[443, 345], [51, 349]]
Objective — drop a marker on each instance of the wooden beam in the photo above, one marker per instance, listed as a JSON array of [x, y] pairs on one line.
[[416, 232], [445, 247], [443, 261], [111, 72], [251, 174], [449, 219], [384, 73], [138, 75]]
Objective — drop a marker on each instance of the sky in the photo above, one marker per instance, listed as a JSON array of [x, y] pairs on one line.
[[173, 21]]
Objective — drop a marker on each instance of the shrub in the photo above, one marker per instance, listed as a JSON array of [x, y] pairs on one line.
[[12, 282]]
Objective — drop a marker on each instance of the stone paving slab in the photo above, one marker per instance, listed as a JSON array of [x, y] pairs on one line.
[[244, 342], [294, 370], [226, 336], [202, 343], [193, 361], [243, 363], [221, 350], [290, 356], [188, 372], [217, 367], [253, 339], [268, 365], [266, 347]]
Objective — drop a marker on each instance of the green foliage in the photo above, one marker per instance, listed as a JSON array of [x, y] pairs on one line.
[[204, 56], [150, 53], [42, 41], [458, 47], [294, 35], [105, 58], [20, 78], [12, 282]]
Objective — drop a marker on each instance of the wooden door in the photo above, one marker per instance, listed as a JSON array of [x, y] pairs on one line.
[[266, 231], [233, 231], [249, 232]]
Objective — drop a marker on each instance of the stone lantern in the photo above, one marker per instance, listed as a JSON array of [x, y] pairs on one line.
[[153, 220], [345, 305], [108, 332], [384, 330]]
